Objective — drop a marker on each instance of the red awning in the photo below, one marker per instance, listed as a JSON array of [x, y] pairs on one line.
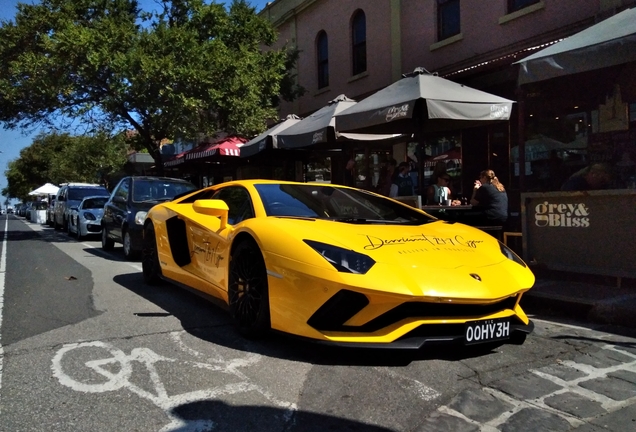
[[176, 160], [229, 146]]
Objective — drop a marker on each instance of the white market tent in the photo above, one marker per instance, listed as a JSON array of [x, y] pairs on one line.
[[46, 189]]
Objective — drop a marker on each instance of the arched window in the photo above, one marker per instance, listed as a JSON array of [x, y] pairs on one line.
[[322, 58], [359, 43]]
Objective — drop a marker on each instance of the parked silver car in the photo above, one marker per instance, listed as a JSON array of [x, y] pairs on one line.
[[86, 219], [70, 196]]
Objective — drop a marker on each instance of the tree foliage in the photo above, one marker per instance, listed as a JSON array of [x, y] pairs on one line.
[[193, 68], [58, 158]]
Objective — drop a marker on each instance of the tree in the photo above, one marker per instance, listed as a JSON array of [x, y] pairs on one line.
[[59, 158], [194, 68]]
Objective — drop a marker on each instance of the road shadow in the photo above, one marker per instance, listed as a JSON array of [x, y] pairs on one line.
[[25, 232], [221, 417], [207, 321]]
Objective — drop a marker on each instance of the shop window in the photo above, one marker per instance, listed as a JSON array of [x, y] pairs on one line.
[[322, 54], [359, 43], [515, 5], [448, 19]]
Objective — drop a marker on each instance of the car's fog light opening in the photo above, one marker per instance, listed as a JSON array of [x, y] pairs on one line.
[[338, 310]]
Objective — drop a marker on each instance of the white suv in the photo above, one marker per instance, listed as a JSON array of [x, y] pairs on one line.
[[69, 197]]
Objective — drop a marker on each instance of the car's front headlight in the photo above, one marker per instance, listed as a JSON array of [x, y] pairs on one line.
[[508, 253], [343, 260], [89, 216], [140, 217]]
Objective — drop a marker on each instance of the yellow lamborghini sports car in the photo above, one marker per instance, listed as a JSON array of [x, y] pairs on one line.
[[337, 264]]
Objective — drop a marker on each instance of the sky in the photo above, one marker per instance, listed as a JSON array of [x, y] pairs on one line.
[[12, 141]]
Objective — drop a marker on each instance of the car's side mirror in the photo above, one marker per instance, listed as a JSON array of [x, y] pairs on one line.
[[212, 207], [119, 199]]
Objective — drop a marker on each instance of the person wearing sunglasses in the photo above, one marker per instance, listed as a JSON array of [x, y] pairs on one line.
[[440, 192]]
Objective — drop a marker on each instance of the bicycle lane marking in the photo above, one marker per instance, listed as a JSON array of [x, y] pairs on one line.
[[160, 397]]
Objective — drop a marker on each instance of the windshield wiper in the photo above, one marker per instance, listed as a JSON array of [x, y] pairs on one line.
[[296, 217]]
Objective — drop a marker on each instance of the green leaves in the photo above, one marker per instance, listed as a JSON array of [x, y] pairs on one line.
[[58, 158], [193, 68]]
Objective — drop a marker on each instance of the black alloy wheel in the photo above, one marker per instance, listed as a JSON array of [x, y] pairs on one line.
[[107, 243], [248, 292], [150, 266]]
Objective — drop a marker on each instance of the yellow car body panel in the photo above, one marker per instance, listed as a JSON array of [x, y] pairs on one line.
[[436, 273]]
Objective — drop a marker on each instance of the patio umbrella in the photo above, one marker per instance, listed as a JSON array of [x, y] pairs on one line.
[[269, 138], [608, 43], [45, 189], [319, 128], [423, 102]]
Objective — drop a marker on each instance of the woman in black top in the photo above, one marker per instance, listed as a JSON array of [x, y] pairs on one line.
[[490, 199]]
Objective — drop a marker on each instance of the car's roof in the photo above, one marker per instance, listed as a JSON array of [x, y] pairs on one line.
[[159, 178], [253, 182], [83, 185]]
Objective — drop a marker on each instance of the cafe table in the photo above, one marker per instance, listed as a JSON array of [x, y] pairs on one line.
[[448, 213]]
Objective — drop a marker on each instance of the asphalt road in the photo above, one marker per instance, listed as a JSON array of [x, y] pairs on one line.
[[87, 346]]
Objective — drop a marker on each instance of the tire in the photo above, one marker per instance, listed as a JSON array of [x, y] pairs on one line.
[[129, 253], [248, 292], [78, 234], [68, 228], [56, 227], [107, 243], [150, 266]]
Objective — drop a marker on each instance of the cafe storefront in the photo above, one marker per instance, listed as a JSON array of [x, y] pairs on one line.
[[577, 159]]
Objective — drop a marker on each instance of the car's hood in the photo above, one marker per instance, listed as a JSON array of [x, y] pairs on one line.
[[424, 259], [440, 245]]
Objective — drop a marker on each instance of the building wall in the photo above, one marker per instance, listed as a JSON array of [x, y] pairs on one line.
[[334, 17], [402, 35]]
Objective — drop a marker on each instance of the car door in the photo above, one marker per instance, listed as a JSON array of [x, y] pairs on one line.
[[58, 214], [210, 246], [115, 209]]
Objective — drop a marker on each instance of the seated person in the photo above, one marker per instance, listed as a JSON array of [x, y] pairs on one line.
[[489, 200], [595, 176], [440, 192]]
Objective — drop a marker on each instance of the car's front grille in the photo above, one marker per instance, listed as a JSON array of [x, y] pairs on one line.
[[93, 228], [422, 310]]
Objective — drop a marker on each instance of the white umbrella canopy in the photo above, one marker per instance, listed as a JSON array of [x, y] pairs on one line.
[[423, 102], [45, 189]]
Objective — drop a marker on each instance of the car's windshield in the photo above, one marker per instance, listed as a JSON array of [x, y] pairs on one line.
[[319, 201], [77, 194], [159, 190], [94, 203]]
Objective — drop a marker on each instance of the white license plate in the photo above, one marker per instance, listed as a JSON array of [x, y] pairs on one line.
[[487, 331]]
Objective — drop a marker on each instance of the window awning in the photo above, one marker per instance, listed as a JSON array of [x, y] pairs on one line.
[[229, 146], [609, 43]]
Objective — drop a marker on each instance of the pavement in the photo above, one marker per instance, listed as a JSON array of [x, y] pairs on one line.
[[598, 300]]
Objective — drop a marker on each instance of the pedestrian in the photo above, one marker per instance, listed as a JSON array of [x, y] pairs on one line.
[[402, 184], [349, 174], [386, 177]]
